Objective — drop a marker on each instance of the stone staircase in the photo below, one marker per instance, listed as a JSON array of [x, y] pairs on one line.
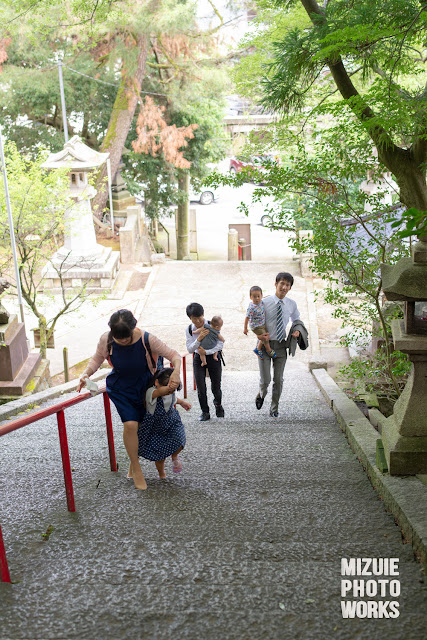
[[245, 544]]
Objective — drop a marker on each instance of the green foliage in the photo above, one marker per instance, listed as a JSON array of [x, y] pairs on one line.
[[270, 25], [361, 61], [415, 223], [155, 178], [30, 98], [209, 143], [348, 75], [158, 178], [371, 372], [38, 205], [379, 39], [179, 73], [45, 15], [40, 209]]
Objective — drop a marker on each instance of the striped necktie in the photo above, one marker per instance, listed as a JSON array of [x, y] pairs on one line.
[[280, 327]]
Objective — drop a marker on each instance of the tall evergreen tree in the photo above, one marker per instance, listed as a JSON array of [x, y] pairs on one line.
[[372, 54]]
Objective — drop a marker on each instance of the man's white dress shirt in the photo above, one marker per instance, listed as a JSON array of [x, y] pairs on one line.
[[289, 312]]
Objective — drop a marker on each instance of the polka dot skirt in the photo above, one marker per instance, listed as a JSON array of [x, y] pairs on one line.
[[160, 434]]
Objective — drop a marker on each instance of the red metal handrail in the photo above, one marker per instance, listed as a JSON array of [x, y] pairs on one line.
[[59, 408]]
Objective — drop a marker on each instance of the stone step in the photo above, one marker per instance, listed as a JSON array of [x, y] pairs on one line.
[[121, 284]]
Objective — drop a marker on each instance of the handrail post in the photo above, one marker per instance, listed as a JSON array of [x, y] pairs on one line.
[[184, 374], [60, 416], [110, 435], [4, 569]]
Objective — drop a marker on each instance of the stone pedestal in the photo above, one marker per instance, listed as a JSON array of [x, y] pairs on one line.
[[404, 434], [17, 365], [99, 271], [121, 197]]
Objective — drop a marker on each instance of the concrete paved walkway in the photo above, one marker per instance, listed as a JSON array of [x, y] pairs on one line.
[[246, 544]]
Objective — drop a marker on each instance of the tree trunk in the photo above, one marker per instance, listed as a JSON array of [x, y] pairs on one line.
[[410, 177], [43, 336], [408, 165], [120, 123], [182, 246]]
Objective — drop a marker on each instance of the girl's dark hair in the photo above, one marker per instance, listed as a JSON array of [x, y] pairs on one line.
[[163, 375], [254, 288], [122, 323]]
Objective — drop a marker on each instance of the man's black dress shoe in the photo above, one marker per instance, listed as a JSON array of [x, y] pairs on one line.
[[259, 402], [204, 417], [219, 409]]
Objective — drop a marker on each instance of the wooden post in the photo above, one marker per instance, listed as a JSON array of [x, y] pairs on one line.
[[66, 370]]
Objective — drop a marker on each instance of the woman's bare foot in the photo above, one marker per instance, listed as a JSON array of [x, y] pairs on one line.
[[138, 478]]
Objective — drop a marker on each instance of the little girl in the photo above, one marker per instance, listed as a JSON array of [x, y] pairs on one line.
[[161, 432]]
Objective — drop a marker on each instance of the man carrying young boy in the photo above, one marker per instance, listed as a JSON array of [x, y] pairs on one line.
[[278, 311], [196, 312]]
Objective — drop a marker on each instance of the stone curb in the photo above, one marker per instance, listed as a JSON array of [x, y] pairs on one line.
[[146, 292], [14, 407], [404, 496]]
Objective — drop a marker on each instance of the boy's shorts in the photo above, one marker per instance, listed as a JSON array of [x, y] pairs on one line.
[[260, 330]]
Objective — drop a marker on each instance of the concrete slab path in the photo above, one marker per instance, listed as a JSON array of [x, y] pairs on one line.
[[245, 544]]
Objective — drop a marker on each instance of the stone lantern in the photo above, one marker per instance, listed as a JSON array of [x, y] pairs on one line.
[[81, 259], [404, 434]]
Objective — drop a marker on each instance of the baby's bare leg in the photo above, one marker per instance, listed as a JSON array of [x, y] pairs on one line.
[[215, 356], [202, 354]]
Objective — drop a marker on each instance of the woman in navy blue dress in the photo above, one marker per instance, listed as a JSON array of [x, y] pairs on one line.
[[133, 367]]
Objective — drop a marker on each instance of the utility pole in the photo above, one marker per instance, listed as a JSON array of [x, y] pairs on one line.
[[61, 88], [110, 195], [11, 229]]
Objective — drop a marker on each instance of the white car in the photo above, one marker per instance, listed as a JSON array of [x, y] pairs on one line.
[[207, 196]]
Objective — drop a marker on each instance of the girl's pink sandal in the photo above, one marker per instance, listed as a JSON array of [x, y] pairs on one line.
[[176, 465]]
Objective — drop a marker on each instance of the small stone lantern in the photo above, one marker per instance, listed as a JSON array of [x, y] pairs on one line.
[[404, 434], [81, 259]]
